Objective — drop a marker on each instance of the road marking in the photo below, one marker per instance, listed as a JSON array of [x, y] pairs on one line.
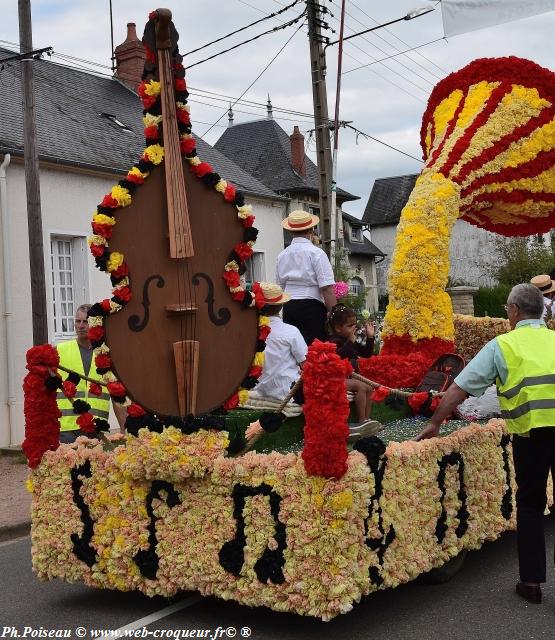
[[153, 617]]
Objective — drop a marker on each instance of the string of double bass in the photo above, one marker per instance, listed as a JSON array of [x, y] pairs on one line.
[[181, 247]]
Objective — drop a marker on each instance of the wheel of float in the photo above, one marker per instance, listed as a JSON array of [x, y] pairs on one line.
[[442, 574]]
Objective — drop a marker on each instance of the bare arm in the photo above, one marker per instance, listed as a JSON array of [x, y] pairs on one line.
[[328, 293], [452, 398]]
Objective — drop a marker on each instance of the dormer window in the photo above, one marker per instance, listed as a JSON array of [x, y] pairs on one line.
[[116, 122], [356, 234]]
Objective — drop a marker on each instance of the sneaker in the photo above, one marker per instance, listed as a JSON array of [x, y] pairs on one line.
[[358, 430]]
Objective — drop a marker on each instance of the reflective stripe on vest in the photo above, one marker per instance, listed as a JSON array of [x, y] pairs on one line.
[[527, 397], [70, 357]]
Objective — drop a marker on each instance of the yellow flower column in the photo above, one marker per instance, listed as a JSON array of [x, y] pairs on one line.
[[418, 306]]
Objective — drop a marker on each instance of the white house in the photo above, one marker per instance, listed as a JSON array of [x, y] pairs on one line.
[[90, 133]]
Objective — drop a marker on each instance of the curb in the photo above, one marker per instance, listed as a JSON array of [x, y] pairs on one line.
[[13, 531]]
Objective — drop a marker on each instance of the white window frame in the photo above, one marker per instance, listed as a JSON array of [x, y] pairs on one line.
[[356, 285], [256, 268], [75, 250], [356, 234]]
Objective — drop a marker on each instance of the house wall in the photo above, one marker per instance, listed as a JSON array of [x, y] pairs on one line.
[[68, 201], [471, 254]]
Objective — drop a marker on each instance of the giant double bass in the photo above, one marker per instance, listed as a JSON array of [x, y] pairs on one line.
[[181, 345]]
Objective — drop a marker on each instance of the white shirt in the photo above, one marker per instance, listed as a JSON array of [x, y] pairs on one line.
[[548, 304], [285, 350], [303, 269]]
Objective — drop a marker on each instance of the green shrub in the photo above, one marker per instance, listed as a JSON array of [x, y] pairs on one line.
[[490, 301]]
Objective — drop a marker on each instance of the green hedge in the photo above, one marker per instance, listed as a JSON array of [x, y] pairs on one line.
[[490, 301]]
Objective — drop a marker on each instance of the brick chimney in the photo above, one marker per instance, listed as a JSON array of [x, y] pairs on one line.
[[297, 151], [130, 59]]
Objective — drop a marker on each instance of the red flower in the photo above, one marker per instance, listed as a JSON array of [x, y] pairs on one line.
[[238, 296], [105, 304], [248, 221], [95, 389], [183, 116], [263, 332], [229, 193], [232, 402], [104, 230], [255, 372], [44, 355], [258, 295], [202, 169], [153, 15], [86, 422], [416, 400], [121, 271], [152, 132], [116, 389], [187, 145], [133, 177], [135, 410], [379, 394], [232, 278], [150, 56], [108, 201], [243, 250], [96, 334], [180, 85], [98, 250], [69, 389], [123, 294], [103, 361]]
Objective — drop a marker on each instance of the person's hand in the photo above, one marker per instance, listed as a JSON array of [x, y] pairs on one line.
[[429, 431], [370, 329]]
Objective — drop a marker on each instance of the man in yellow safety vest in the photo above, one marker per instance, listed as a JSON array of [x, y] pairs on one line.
[[77, 355], [522, 364]]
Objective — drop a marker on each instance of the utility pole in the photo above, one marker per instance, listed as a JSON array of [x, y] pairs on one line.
[[34, 218], [321, 121]]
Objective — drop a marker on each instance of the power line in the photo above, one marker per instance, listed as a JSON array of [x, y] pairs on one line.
[[443, 71], [367, 135], [232, 33], [393, 55], [260, 74], [283, 26]]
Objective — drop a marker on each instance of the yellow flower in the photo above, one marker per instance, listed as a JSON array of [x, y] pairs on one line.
[[155, 153], [258, 359], [30, 485], [221, 186], [231, 266], [122, 196], [263, 321], [152, 88], [100, 218], [243, 396], [114, 261]]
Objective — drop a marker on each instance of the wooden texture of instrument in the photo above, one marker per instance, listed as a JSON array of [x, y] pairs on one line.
[[181, 345]]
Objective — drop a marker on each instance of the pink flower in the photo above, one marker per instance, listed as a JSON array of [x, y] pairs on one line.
[[341, 289]]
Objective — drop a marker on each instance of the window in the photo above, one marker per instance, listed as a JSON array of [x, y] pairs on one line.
[[356, 286], [356, 234], [255, 269], [67, 263]]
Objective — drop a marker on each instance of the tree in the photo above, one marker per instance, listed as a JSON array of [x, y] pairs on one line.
[[520, 259]]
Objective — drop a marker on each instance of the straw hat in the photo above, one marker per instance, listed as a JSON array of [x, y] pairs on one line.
[[544, 283], [300, 221], [273, 293]]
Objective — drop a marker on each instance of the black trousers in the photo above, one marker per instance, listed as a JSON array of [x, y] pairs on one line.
[[532, 457], [309, 316]]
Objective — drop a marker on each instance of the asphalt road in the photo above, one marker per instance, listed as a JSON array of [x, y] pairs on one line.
[[479, 603]]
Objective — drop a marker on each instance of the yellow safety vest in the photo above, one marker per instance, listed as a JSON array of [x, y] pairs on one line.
[[527, 397], [70, 357]]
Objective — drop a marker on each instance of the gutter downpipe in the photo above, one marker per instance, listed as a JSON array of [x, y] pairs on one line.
[[7, 304]]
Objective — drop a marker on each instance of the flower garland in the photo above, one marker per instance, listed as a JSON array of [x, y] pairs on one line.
[[326, 410], [488, 137], [120, 196]]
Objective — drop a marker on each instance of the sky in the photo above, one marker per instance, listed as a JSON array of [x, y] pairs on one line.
[[385, 100]]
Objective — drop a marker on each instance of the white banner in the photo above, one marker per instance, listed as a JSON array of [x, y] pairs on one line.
[[461, 16]]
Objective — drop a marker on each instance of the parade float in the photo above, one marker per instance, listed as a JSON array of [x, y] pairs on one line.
[[178, 503]]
